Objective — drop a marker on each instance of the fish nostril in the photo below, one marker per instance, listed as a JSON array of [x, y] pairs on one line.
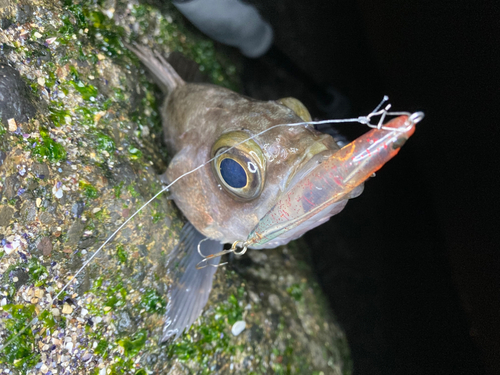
[[233, 173]]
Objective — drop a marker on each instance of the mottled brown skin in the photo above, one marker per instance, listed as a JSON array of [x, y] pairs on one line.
[[194, 117]]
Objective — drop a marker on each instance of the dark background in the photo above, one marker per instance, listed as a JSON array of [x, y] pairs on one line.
[[411, 267]]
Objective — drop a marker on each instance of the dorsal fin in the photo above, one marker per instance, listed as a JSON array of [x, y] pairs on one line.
[[296, 106], [165, 76]]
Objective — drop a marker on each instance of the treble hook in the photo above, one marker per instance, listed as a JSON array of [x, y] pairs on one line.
[[204, 263]]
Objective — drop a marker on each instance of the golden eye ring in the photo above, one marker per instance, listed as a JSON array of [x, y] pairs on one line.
[[239, 168]]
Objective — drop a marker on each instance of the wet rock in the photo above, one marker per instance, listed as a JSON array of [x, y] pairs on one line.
[[6, 213], [47, 218], [274, 301], [28, 211], [24, 13], [77, 209], [45, 246], [5, 22], [40, 170], [19, 277], [87, 242], [125, 323], [15, 98], [74, 233], [3, 155], [41, 52], [103, 107], [12, 186]]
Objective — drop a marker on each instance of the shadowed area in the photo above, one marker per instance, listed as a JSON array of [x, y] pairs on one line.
[[411, 266]]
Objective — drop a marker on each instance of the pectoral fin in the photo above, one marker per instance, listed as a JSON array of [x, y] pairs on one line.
[[191, 287]]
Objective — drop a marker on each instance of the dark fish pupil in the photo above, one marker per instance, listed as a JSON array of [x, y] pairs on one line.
[[233, 173]]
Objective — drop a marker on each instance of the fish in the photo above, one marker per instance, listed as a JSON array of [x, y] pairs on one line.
[[271, 176]]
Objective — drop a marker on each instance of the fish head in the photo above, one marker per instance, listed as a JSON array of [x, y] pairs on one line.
[[226, 198], [255, 166]]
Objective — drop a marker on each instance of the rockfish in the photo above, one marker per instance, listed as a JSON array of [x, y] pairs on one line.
[[263, 188]]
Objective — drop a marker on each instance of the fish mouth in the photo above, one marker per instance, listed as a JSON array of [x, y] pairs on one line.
[[325, 182]]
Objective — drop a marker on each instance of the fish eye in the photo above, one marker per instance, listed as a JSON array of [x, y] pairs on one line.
[[239, 168], [233, 173]]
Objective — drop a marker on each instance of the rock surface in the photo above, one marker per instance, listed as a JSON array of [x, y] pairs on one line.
[[84, 154]]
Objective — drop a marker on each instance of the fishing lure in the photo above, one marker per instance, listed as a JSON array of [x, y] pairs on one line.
[[252, 173]]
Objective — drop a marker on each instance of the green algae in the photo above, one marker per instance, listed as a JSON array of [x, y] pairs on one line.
[[118, 189], [116, 296], [86, 115], [134, 153], [102, 348], [121, 254], [37, 272], [295, 291], [157, 217], [153, 302], [59, 116], [104, 143], [88, 190], [193, 46], [134, 193], [132, 346], [87, 91], [213, 336], [21, 352], [46, 147]]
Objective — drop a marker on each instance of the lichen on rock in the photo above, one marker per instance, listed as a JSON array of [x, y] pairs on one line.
[[80, 151]]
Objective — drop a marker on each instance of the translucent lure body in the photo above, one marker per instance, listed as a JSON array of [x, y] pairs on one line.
[[332, 176]]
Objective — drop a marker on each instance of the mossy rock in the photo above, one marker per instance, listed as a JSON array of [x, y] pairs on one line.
[[79, 156]]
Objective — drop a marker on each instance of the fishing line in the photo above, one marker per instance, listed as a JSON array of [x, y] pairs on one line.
[[364, 120]]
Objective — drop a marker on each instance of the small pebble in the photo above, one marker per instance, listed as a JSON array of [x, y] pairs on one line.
[[12, 124], [67, 309], [86, 356], [238, 327], [58, 193]]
